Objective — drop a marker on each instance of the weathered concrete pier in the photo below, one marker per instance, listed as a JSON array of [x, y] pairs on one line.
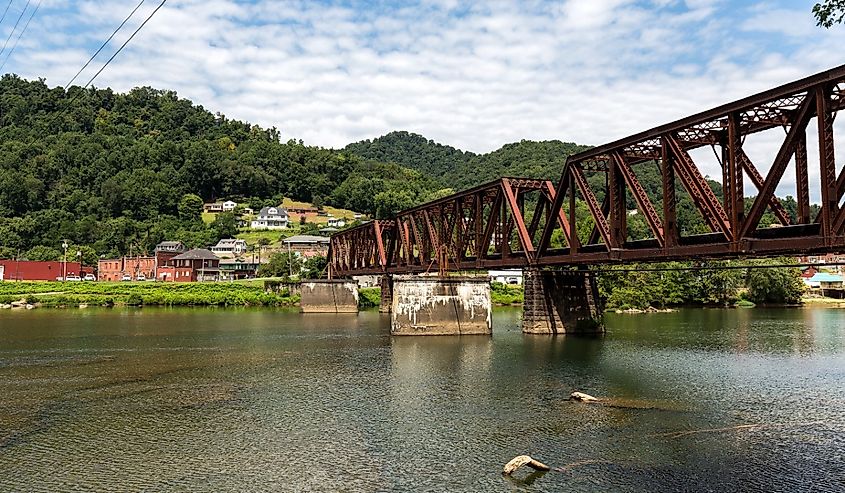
[[561, 302], [329, 296], [441, 306], [386, 304]]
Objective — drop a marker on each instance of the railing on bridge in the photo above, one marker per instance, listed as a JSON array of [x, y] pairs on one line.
[[489, 226]]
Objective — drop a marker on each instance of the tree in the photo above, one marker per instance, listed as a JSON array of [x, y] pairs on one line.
[[225, 224], [829, 12], [281, 264], [190, 207], [43, 253], [775, 285], [314, 267]]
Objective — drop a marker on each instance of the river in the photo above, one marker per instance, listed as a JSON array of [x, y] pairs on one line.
[[271, 400]]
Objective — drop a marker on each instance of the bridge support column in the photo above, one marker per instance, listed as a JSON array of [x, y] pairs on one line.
[[386, 283], [561, 302], [441, 306], [329, 296]]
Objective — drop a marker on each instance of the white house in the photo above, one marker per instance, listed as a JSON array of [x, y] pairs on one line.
[[230, 245], [513, 276], [229, 206], [2, 271], [336, 222], [271, 218]]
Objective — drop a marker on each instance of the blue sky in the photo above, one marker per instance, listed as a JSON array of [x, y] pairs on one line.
[[475, 75]]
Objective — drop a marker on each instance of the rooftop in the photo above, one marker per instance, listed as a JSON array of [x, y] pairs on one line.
[[306, 239], [196, 254], [825, 277]]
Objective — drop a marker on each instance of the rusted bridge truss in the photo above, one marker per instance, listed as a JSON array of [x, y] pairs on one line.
[[518, 222]]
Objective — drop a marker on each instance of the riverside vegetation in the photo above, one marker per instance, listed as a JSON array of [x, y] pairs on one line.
[[55, 294]]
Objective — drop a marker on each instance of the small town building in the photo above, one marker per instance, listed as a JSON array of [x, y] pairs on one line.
[[830, 285], [196, 265], [307, 245], [509, 276], [27, 270], [213, 207], [303, 211], [164, 253], [140, 267], [336, 222], [808, 272], [229, 206], [328, 231], [237, 268], [271, 218], [230, 247]]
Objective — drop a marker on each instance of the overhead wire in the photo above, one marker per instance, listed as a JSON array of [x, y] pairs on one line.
[[15, 28], [106, 42], [125, 43], [20, 35], [3, 18]]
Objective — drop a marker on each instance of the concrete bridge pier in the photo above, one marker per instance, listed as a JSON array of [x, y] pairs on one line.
[[441, 306], [561, 302], [329, 296], [386, 283]]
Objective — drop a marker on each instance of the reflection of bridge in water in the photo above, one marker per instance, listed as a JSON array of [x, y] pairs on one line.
[[531, 224]]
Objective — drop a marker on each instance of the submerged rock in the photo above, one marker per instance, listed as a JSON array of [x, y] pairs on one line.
[[523, 460], [582, 397]]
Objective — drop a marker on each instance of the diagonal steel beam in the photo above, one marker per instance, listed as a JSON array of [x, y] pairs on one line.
[[698, 188], [640, 196], [757, 179], [787, 149], [593, 204]]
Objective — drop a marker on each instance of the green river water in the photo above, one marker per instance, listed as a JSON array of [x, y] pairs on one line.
[[272, 400]]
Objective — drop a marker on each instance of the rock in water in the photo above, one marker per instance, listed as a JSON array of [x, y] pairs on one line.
[[523, 460], [582, 397]]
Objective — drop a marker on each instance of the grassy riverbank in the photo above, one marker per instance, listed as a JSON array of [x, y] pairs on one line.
[[248, 293]]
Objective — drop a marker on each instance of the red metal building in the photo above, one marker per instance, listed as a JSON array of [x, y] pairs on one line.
[[26, 270]]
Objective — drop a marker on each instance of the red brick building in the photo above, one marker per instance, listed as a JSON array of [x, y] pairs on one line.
[[25, 270], [134, 267], [192, 266]]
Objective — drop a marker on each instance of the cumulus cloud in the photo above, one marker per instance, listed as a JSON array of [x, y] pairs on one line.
[[474, 75]]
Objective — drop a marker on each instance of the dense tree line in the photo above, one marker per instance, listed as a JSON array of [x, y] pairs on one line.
[[717, 283]]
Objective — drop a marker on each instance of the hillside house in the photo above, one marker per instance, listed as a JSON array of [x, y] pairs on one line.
[[229, 206], [229, 247], [271, 218], [307, 245], [336, 222]]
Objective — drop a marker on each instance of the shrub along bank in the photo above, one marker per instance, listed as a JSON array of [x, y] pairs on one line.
[[149, 293]]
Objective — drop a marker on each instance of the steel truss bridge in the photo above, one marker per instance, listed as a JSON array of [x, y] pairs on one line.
[[520, 222]]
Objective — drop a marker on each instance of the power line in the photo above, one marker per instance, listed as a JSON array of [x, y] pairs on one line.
[[105, 43], [714, 267], [125, 43], [16, 26], [20, 35], [6, 11]]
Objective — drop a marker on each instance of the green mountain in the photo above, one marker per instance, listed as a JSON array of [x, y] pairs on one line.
[[412, 151]]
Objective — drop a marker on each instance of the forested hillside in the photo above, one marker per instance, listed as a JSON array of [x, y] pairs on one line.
[[109, 170]]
